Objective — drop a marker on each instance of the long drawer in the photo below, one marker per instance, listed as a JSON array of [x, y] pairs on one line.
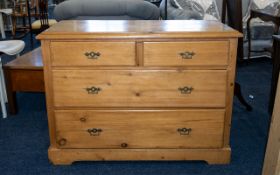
[[139, 88], [93, 53], [195, 53], [139, 128]]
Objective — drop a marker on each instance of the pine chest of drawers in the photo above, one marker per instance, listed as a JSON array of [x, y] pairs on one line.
[[139, 90]]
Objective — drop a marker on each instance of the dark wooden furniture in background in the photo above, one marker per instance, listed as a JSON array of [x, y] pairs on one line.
[[24, 74], [234, 11], [43, 22], [265, 16], [275, 71], [20, 11], [235, 16]]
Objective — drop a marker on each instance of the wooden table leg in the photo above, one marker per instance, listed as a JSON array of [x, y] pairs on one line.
[[12, 104]]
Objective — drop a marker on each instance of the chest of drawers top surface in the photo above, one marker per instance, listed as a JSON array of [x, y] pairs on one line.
[[72, 29]]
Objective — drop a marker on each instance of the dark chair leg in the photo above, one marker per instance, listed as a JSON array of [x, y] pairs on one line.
[[238, 94]]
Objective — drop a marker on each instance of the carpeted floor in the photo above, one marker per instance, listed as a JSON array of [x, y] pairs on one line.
[[24, 137]]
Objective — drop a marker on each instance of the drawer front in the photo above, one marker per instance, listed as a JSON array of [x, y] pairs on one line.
[[93, 53], [140, 129], [198, 53], [139, 88]]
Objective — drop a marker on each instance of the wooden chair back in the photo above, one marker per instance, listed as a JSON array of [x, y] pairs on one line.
[[43, 14]]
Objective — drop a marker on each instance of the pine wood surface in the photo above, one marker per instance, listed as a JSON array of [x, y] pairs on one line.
[[272, 157], [139, 88], [140, 128], [206, 53], [140, 96], [68, 156], [73, 53], [118, 29], [230, 89]]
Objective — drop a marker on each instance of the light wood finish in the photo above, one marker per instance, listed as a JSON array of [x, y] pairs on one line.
[[140, 129], [45, 44], [230, 89], [111, 53], [140, 29], [68, 156], [272, 158], [129, 104], [139, 88], [202, 53]]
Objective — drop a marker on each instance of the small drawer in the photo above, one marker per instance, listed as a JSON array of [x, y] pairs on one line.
[[139, 128], [93, 53], [139, 88], [196, 53]]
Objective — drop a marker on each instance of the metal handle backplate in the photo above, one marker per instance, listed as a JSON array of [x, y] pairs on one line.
[[94, 131], [187, 55], [93, 90], [184, 131], [92, 55], [186, 90]]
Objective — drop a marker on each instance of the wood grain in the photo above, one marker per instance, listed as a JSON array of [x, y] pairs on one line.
[[206, 53], [68, 156], [139, 88], [139, 105], [140, 128], [21, 76], [272, 157], [118, 29], [49, 89], [111, 53], [230, 88]]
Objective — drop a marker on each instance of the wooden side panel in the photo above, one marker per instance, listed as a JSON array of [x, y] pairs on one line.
[[272, 157], [20, 78], [139, 88], [140, 129], [197, 53], [108, 53], [67, 156], [49, 90], [230, 89]]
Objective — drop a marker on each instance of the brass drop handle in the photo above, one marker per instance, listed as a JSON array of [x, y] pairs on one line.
[[94, 131], [187, 55], [93, 90], [184, 131], [186, 90], [62, 142], [92, 55]]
